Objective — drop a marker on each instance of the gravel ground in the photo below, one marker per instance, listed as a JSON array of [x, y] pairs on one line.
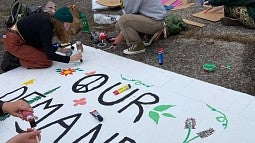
[[184, 53]]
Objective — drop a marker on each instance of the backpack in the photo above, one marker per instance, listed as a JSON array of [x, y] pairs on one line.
[[18, 10]]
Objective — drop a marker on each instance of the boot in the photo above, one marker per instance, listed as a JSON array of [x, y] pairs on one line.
[[9, 62]]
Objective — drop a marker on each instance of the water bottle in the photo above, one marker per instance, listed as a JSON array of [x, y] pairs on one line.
[[160, 56]]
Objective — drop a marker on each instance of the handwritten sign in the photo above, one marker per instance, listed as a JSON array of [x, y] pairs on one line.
[[160, 106]]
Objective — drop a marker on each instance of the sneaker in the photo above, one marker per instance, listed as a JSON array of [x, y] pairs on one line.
[[135, 49], [227, 21], [9, 62]]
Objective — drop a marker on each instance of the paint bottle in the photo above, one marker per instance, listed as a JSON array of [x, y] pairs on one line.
[[122, 89], [97, 115], [84, 22], [160, 56], [209, 67], [79, 46], [29, 116]]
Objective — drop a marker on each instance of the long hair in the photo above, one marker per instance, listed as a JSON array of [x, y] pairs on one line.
[[76, 25], [60, 31]]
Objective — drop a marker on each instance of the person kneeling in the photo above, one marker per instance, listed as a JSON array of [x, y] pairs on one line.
[[29, 42]]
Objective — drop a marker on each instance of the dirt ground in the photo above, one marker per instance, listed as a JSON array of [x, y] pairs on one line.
[[184, 53]]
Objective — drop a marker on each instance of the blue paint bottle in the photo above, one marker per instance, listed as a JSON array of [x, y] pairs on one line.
[[160, 56]]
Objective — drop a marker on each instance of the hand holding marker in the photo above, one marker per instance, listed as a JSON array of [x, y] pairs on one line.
[[70, 52], [208, 5], [28, 116], [79, 48]]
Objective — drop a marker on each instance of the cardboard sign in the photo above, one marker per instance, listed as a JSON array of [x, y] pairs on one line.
[[109, 3], [214, 14], [193, 23]]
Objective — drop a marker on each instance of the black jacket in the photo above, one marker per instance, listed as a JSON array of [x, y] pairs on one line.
[[37, 31]]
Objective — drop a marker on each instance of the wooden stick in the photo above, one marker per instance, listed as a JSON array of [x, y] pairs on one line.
[[36, 137]]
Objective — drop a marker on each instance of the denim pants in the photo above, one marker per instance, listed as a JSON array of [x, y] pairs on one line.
[[130, 25]]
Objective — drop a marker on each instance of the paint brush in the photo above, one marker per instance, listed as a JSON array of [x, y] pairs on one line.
[[207, 10], [33, 125], [28, 116]]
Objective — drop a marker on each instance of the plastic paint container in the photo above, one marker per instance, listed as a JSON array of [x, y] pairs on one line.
[[209, 67]]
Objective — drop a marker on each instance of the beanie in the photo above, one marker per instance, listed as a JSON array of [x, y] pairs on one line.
[[63, 14]]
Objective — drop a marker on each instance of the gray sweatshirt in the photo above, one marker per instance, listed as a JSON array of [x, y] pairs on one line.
[[150, 8]]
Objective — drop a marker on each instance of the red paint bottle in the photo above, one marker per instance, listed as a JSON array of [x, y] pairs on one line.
[[28, 116]]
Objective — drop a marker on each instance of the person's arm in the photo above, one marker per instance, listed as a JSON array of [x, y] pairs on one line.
[[1, 108], [50, 51], [46, 36], [26, 137], [118, 39], [14, 108]]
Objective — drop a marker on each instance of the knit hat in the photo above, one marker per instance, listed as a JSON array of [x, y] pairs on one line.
[[63, 14]]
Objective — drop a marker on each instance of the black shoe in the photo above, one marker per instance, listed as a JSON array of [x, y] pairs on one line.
[[9, 62], [227, 21]]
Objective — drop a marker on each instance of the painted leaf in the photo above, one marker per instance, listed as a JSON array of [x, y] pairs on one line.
[[168, 115], [161, 108], [154, 116], [220, 119]]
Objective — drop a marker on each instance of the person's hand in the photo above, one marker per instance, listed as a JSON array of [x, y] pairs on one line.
[[14, 108], [64, 50], [118, 39], [207, 4], [76, 57], [26, 137]]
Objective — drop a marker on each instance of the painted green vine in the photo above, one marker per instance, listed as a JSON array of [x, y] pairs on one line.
[[222, 119], [137, 82]]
